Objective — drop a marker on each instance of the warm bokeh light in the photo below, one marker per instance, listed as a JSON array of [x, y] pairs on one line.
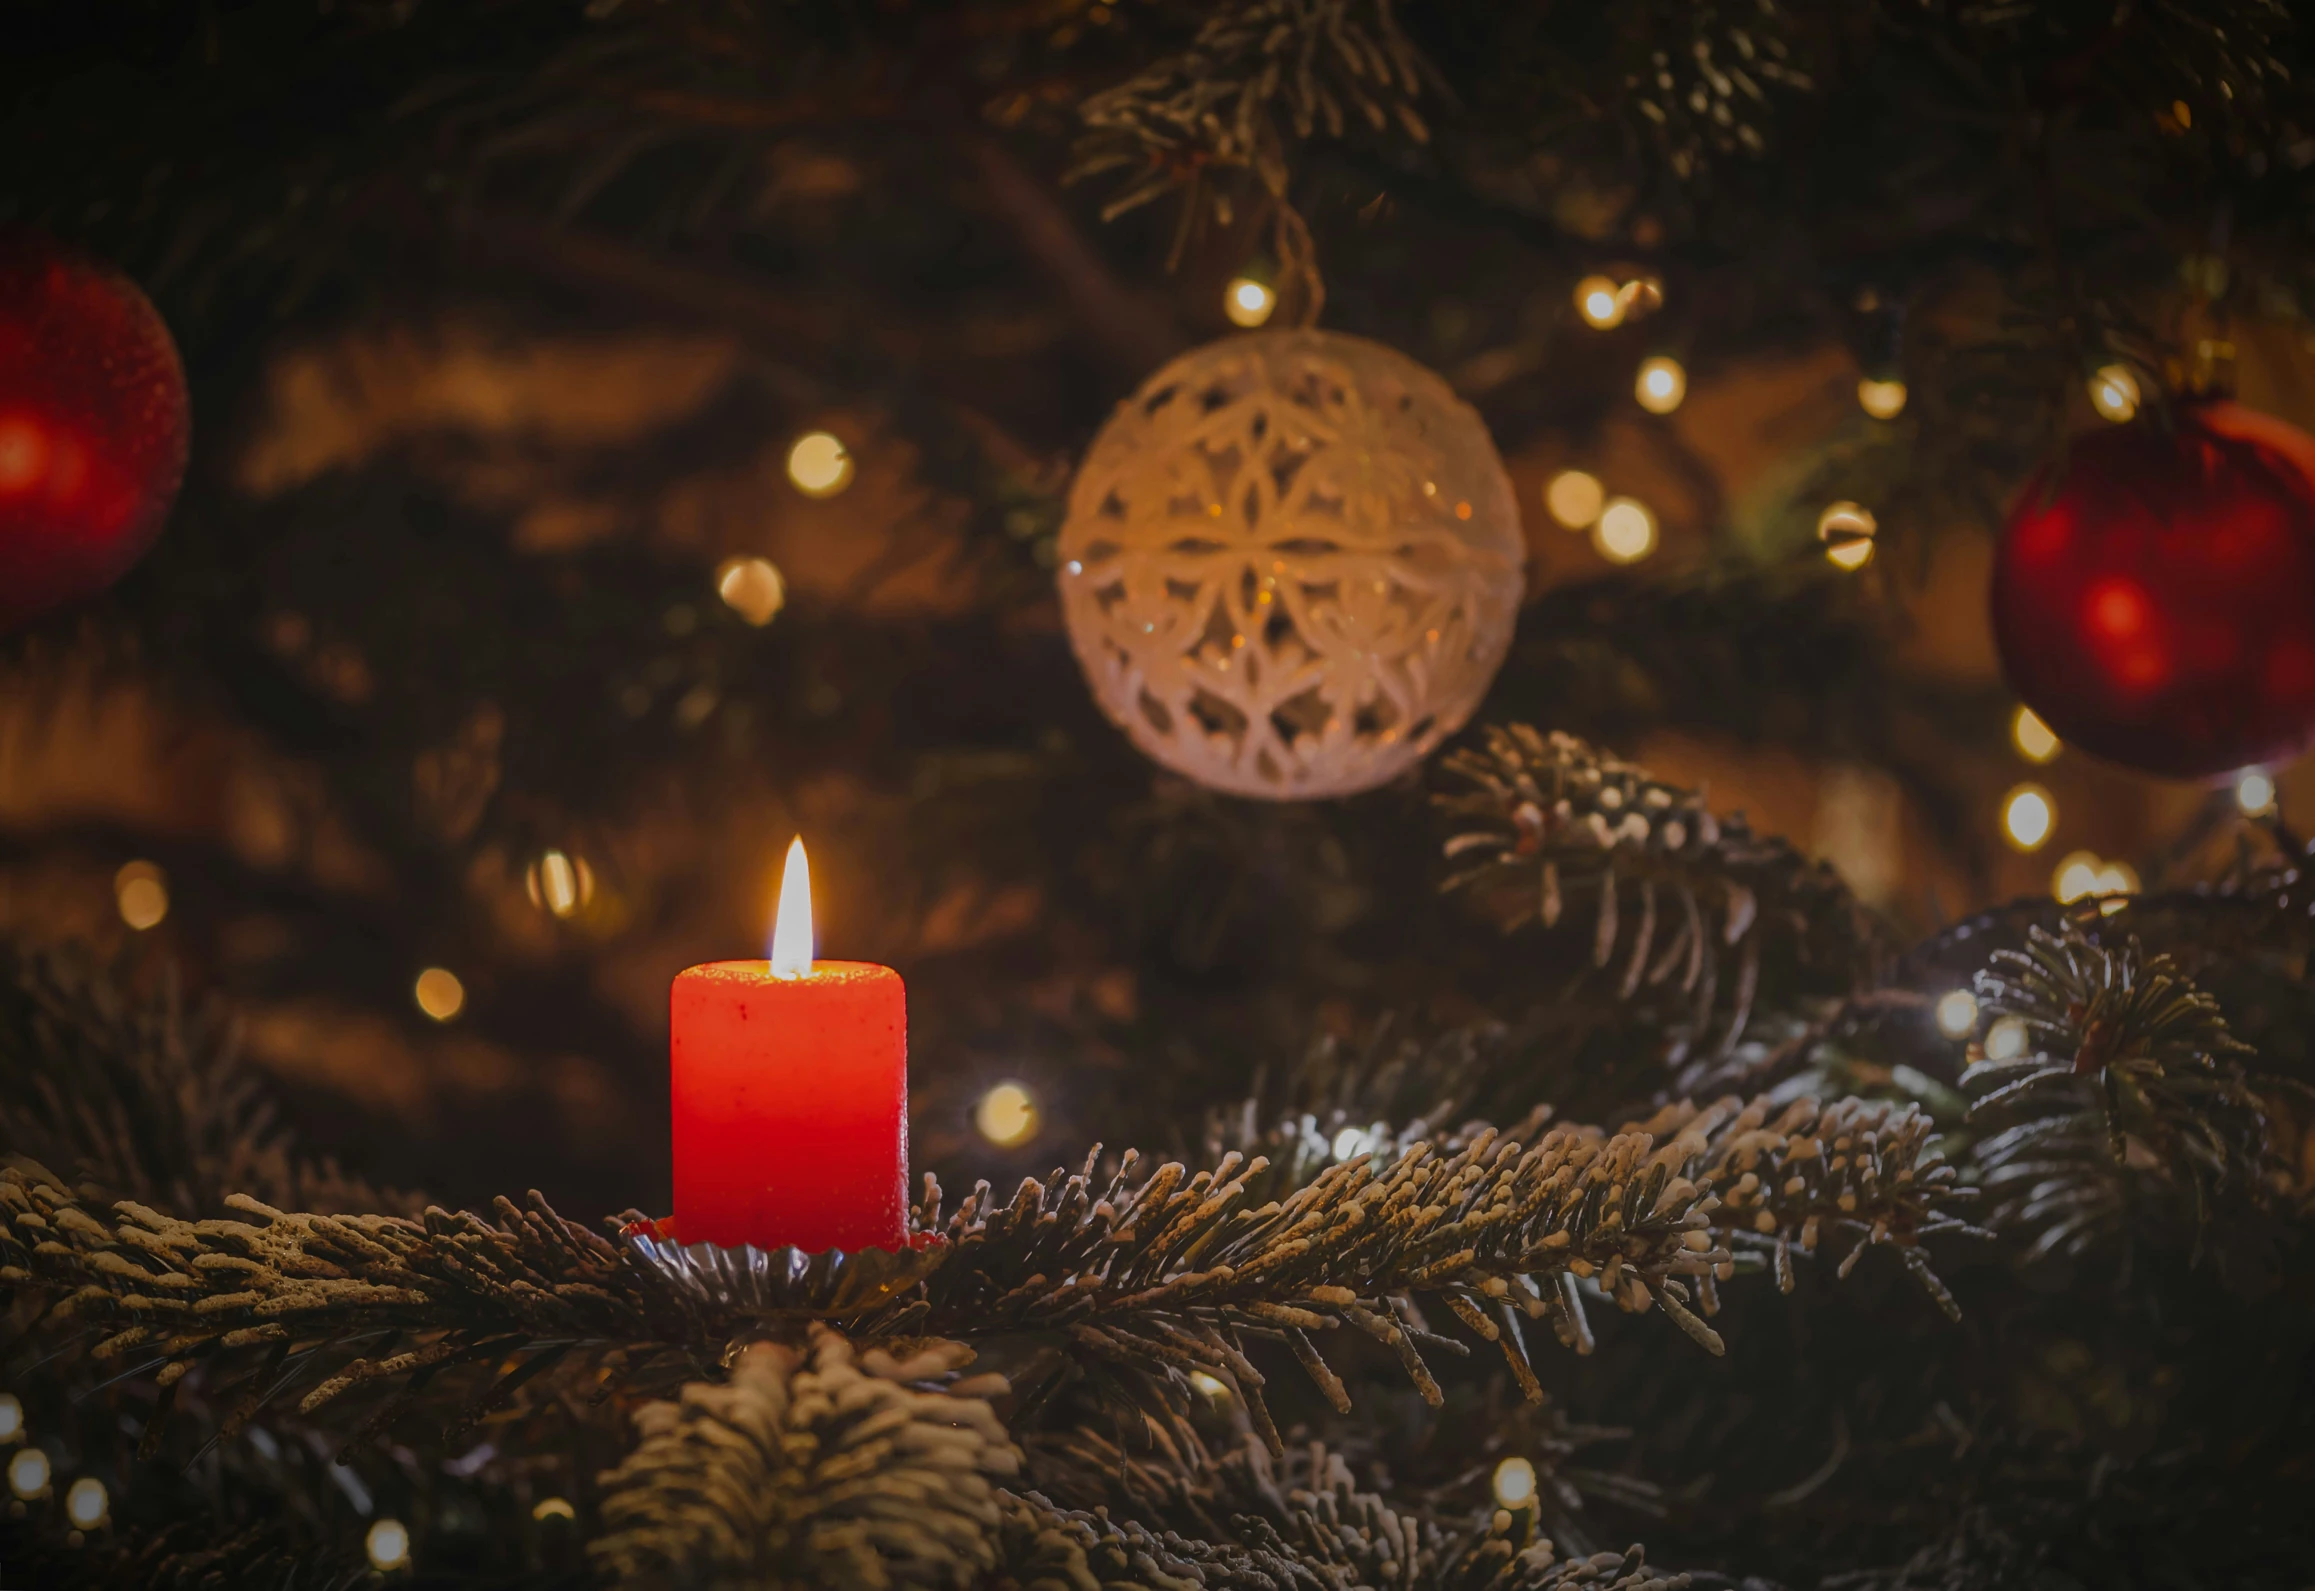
[[1247, 302], [1353, 1143], [1642, 295], [553, 1508], [1599, 302], [819, 465], [1209, 1385], [1661, 385], [2255, 792], [1006, 1115], [2076, 877], [1883, 400], [792, 925], [2006, 1039], [1626, 531], [2035, 740], [389, 1545], [2029, 816], [560, 884], [751, 588], [1956, 1013], [1515, 1483], [2114, 393], [141, 891], [11, 1417], [1847, 530], [1575, 498], [439, 993], [86, 1503], [28, 1473]]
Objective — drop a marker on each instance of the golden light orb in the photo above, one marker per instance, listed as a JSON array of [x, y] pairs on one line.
[[141, 892], [560, 884], [1247, 302], [1883, 400], [439, 993], [28, 1473], [1600, 302], [1626, 530], [2114, 393], [1575, 498], [1956, 1013], [1847, 530], [2006, 1039], [751, 588], [1006, 1115], [2029, 816], [1514, 1483], [1209, 1385], [86, 1503], [388, 1544], [11, 1418], [819, 465], [2075, 877], [2255, 792], [1660, 385], [2035, 740]]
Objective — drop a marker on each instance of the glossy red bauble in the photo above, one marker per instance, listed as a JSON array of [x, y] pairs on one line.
[[2156, 603], [93, 427]]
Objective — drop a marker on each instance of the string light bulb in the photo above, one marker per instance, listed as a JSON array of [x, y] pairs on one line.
[[2114, 393], [141, 892], [388, 1544], [1575, 498], [553, 1508], [28, 1473], [1883, 400], [2028, 816], [1642, 295], [819, 465], [560, 884], [1247, 302], [11, 1418], [1956, 1013], [1847, 530], [2036, 741], [1661, 384], [1600, 302], [1514, 1483], [87, 1504], [1625, 531], [439, 994], [2255, 792], [1006, 1115], [751, 588]]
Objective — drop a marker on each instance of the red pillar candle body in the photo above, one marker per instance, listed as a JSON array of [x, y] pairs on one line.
[[791, 1106]]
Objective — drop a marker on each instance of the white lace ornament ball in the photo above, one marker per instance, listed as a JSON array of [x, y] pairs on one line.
[[1292, 564]]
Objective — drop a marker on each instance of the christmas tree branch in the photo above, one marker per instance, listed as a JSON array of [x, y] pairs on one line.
[[1673, 890], [815, 1467]]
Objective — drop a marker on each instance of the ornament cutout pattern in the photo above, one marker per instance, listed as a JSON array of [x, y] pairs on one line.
[[1292, 564]]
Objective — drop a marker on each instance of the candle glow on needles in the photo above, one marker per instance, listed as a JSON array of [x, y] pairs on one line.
[[792, 928]]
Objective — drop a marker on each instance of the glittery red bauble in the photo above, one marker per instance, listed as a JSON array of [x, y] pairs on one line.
[[93, 427], [2157, 606]]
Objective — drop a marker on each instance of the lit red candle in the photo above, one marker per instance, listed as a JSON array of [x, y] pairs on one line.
[[790, 1088]]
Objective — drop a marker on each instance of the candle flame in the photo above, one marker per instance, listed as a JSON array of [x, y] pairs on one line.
[[792, 929]]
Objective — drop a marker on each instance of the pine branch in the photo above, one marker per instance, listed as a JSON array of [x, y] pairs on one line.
[[1300, 1521], [1547, 819], [141, 1098], [2129, 1097], [827, 1468]]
